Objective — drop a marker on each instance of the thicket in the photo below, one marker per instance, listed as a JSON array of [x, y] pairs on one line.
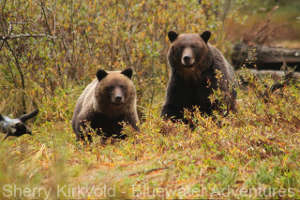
[[50, 50], [51, 46]]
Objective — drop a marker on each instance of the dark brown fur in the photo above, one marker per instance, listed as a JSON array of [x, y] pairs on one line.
[[194, 64]]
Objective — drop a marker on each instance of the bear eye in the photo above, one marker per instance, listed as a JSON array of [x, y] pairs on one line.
[[108, 89], [193, 46], [176, 48], [122, 86]]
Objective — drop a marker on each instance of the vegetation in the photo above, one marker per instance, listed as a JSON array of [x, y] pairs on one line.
[[50, 50]]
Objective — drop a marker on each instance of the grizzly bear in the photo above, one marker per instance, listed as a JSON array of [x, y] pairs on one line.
[[105, 103], [197, 68]]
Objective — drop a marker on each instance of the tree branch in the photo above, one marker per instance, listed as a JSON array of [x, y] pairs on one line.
[[52, 39], [11, 37], [2, 45], [21, 74]]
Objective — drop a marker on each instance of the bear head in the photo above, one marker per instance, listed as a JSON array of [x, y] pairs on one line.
[[189, 52], [114, 89]]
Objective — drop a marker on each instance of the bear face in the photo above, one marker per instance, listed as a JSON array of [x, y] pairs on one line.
[[105, 103], [114, 89], [189, 53]]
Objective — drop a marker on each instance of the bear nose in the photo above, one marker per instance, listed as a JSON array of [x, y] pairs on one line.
[[186, 59], [118, 99]]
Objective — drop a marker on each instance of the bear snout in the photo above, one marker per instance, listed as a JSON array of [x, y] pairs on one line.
[[117, 97], [187, 58]]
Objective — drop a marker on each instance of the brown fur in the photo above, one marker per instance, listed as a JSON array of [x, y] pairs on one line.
[[194, 67], [95, 105]]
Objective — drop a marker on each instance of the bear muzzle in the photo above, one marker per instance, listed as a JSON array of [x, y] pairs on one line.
[[187, 58], [117, 97]]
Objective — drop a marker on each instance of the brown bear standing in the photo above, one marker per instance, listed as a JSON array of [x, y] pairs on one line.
[[195, 68], [105, 103]]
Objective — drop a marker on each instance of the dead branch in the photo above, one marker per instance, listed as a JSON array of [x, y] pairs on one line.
[[264, 57], [52, 39], [148, 171], [20, 72], [12, 37], [274, 73]]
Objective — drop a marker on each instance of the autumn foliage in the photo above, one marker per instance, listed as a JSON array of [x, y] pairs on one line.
[[49, 52]]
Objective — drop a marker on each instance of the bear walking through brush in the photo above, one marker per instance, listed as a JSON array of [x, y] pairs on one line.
[[105, 103], [197, 68]]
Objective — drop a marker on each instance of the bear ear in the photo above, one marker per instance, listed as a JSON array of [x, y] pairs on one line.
[[127, 72], [1, 118], [172, 35], [101, 74], [205, 36]]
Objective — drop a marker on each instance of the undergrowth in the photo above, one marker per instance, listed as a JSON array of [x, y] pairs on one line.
[[253, 153]]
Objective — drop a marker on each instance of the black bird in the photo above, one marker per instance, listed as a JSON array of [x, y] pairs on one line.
[[16, 127]]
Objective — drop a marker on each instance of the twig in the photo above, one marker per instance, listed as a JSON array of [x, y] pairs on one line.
[[20, 72], [45, 16], [227, 6], [11, 71], [148, 171], [53, 41], [3, 7], [11, 37], [127, 55], [66, 50], [1, 45], [88, 44]]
